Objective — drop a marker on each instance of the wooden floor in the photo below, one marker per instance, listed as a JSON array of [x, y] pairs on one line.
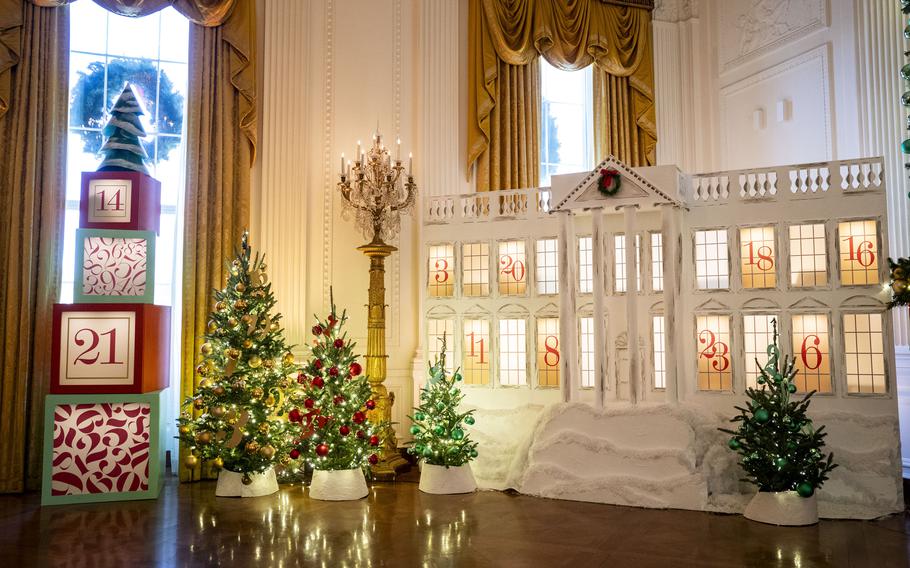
[[399, 526]]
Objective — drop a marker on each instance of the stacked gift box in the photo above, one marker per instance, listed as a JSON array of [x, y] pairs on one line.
[[111, 351]]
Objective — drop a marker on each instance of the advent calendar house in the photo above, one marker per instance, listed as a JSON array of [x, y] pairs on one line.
[[653, 304]]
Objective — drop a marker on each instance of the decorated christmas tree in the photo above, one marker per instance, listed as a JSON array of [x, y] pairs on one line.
[[122, 149], [237, 418], [900, 277], [334, 396], [780, 448], [438, 429]]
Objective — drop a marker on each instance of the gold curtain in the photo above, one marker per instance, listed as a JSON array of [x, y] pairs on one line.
[[570, 35], [33, 115], [221, 144]]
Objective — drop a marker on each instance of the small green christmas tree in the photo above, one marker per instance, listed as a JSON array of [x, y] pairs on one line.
[[122, 149], [236, 419], [779, 447], [333, 399], [438, 429]]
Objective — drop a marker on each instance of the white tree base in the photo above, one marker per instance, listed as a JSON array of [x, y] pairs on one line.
[[338, 485], [785, 508], [442, 480], [230, 484]]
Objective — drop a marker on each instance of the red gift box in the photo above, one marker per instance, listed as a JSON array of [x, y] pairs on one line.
[[130, 201], [110, 348]]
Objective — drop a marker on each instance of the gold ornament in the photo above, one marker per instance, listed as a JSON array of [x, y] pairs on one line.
[[202, 371], [252, 446], [285, 460], [232, 420], [274, 326], [288, 358], [233, 353], [268, 363], [262, 266], [232, 321], [218, 390], [198, 404], [239, 384], [254, 362], [257, 392], [184, 429], [212, 326], [235, 271], [247, 319], [259, 293], [284, 383], [203, 437], [898, 273], [217, 411], [263, 279], [239, 305], [240, 288], [264, 428], [899, 286], [268, 452], [219, 306], [217, 463], [270, 401], [191, 461], [206, 349], [247, 343]]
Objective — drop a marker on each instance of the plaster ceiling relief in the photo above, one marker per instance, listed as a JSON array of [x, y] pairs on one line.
[[674, 10], [749, 28]]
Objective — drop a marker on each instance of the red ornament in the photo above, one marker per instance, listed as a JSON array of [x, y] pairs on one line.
[[295, 453], [317, 329], [333, 371], [371, 404], [373, 459], [344, 430], [332, 318], [322, 450], [295, 416], [317, 364], [374, 440], [359, 417], [318, 382], [301, 378], [356, 369], [339, 343], [338, 400], [309, 403], [321, 421], [361, 434]]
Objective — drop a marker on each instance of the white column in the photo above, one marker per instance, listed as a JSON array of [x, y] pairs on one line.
[[632, 303], [600, 335], [670, 241], [568, 321]]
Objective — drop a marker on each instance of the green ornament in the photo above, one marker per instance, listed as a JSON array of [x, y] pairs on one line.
[[473, 453], [762, 416], [733, 443], [469, 420], [907, 32], [438, 373], [905, 72], [439, 430], [418, 449], [419, 416], [440, 406], [457, 376], [905, 99], [760, 380], [805, 489], [905, 145], [415, 429], [781, 463], [791, 387], [457, 434]]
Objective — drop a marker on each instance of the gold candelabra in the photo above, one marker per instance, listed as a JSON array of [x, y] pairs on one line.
[[376, 191]]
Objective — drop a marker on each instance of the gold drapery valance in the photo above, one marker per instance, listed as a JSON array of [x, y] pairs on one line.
[[570, 35]]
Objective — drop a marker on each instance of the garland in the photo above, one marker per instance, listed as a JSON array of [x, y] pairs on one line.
[[609, 182]]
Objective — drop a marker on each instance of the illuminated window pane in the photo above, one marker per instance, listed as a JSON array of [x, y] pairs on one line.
[[858, 252], [586, 341], [657, 262], [813, 356], [714, 357], [441, 278], [547, 266], [436, 328], [759, 260], [808, 259], [475, 273], [619, 257], [585, 265], [512, 263], [865, 353], [513, 355], [475, 366], [712, 269], [758, 334], [548, 352], [660, 352]]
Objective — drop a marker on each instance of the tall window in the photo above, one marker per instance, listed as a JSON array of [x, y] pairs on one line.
[[585, 265], [475, 276], [757, 251], [567, 130], [659, 338], [513, 353], [858, 252], [813, 353], [808, 259], [512, 268], [547, 266], [475, 353], [714, 355], [657, 262], [548, 352], [865, 352], [436, 330], [619, 262], [106, 52], [586, 340], [441, 275], [758, 333], [712, 270]]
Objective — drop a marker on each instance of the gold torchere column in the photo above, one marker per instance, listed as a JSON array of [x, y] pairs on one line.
[[390, 460]]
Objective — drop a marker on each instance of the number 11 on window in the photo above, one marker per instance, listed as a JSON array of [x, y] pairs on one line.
[[476, 347]]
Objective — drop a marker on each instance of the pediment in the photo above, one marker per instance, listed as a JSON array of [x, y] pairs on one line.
[[440, 312], [761, 304], [712, 305], [808, 303], [862, 302], [634, 190], [513, 310], [550, 309], [477, 311]]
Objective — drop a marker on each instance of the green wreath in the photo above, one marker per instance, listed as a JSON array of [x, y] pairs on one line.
[[609, 182]]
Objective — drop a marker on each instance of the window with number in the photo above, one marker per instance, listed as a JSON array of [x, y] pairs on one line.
[[513, 354], [567, 130], [512, 268], [864, 347], [659, 351], [758, 334], [548, 352], [476, 352], [436, 330], [657, 262], [714, 358], [858, 252], [475, 275], [441, 281], [547, 266], [808, 257], [585, 265], [757, 251], [712, 269], [813, 356], [619, 262], [106, 51], [586, 344]]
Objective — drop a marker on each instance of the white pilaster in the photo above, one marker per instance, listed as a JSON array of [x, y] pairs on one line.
[[568, 319], [629, 212], [671, 255], [600, 332]]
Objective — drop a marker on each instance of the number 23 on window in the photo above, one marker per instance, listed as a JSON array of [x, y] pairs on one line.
[[717, 352]]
